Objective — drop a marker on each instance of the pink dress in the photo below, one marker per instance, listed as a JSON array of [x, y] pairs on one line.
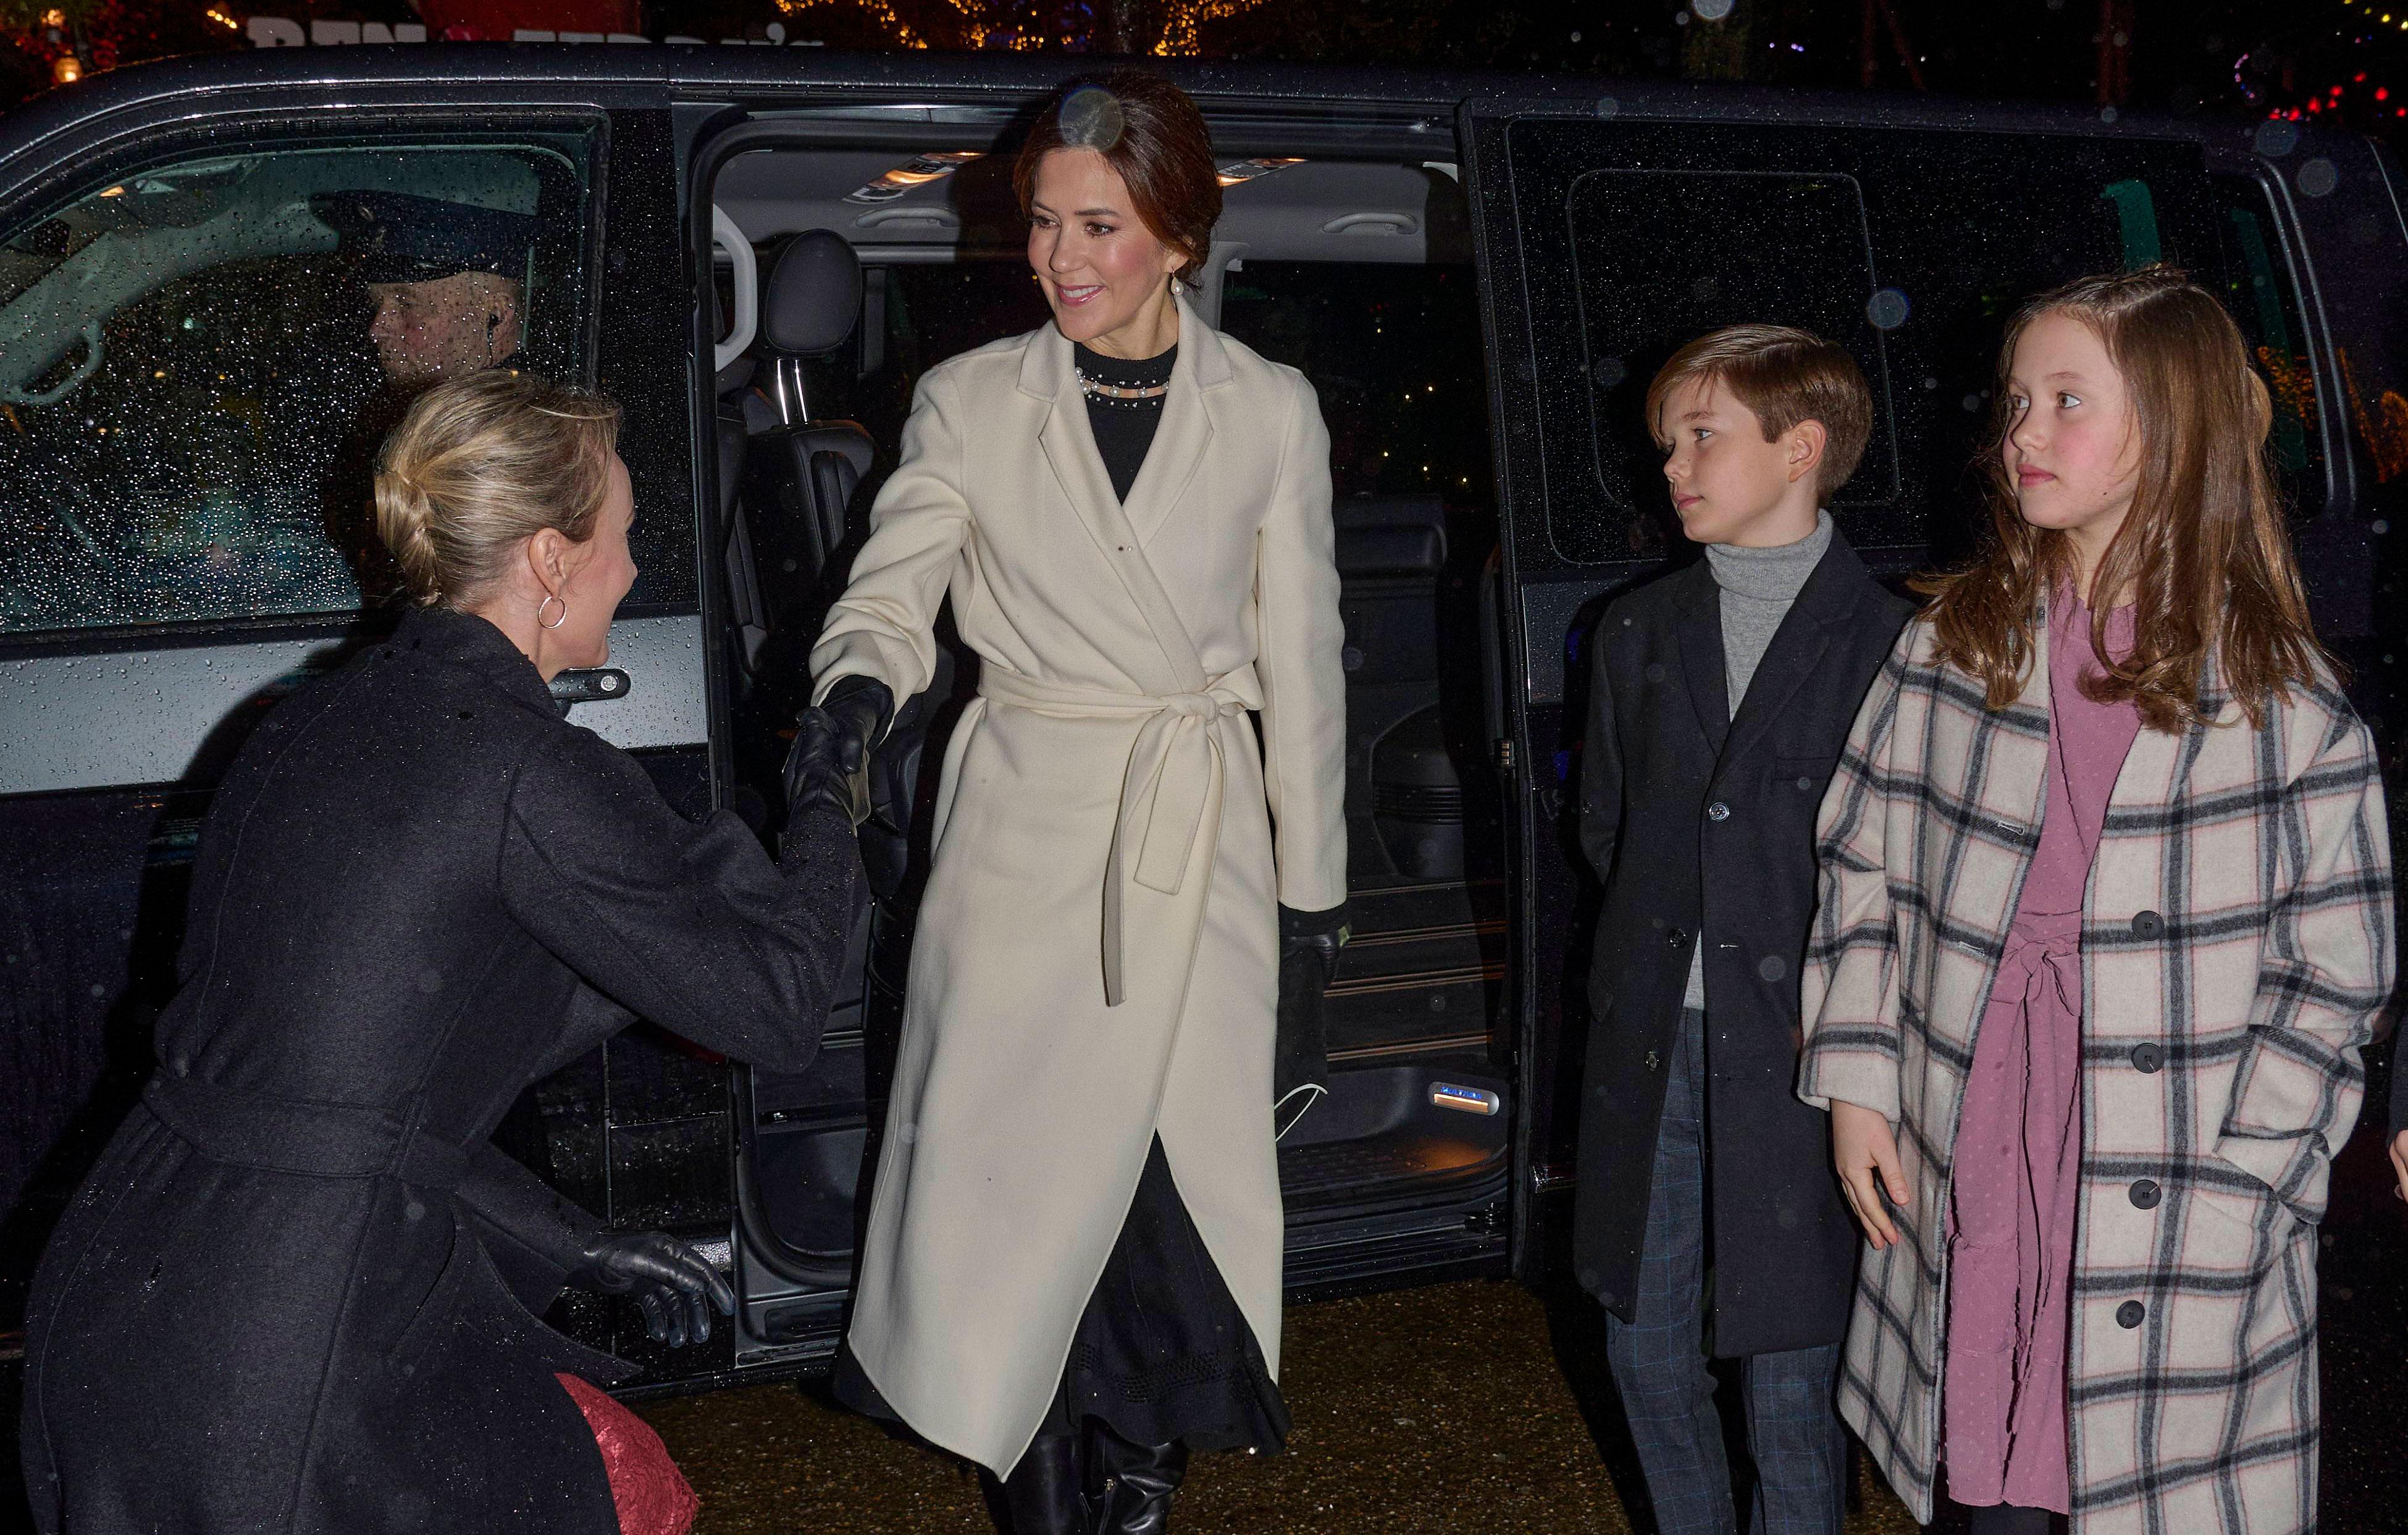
[[2018, 1156]]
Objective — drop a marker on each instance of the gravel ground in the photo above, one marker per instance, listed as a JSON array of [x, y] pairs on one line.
[[1440, 1409]]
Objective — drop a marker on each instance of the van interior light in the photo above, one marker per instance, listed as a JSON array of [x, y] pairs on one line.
[[1246, 170], [918, 171]]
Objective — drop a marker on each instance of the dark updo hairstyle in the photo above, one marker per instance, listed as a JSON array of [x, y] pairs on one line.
[[1153, 137]]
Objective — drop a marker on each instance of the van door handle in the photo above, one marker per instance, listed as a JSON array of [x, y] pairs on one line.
[[598, 685]]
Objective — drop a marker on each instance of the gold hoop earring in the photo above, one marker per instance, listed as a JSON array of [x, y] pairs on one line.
[[547, 602]]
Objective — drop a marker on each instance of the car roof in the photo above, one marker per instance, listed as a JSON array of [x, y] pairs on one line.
[[625, 73]]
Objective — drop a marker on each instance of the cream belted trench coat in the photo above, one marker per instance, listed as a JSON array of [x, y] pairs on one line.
[[1098, 951]]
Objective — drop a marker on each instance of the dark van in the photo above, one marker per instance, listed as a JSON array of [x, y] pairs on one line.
[[1479, 273]]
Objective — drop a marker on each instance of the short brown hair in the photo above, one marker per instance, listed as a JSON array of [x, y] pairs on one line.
[[482, 464], [1154, 138], [1785, 376]]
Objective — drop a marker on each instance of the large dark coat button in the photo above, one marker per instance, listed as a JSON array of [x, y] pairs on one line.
[[2145, 1195], [2131, 1314], [1718, 812], [1676, 938], [2149, 926], [2148, 1057]]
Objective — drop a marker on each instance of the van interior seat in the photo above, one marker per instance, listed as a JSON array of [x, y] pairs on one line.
[[808, 307]]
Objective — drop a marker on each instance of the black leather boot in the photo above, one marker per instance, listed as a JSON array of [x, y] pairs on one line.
[[1131, 1485], [1046, 1493]]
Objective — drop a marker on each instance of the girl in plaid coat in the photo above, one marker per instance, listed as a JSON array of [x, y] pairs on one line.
[[2105, 923]]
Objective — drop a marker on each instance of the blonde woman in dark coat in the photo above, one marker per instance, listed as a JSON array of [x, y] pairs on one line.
[[300, 1292]]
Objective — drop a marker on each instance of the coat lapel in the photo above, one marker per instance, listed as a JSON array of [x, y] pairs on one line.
[[1185, 432], [1823, 604], [1048, 370], [1700, 634]]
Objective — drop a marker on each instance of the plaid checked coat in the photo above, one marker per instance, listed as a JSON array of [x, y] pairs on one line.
[[2236, 948]]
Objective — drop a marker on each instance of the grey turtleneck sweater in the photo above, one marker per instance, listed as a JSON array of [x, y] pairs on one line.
[[1756, 587]]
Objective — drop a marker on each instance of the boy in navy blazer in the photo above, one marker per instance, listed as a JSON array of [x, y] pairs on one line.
[[1708, 1221]]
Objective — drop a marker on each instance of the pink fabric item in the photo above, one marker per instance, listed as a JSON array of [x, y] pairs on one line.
[[2018, 1156], [649, 1492]]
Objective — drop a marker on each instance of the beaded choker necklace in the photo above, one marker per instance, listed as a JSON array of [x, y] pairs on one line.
[[1128, 384], [1114, 394]]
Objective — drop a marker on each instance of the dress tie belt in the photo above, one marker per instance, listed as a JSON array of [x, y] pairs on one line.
[[1170, 791], [2042, 950], [251, 1129]]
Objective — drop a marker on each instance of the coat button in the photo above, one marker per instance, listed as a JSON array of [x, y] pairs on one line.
[[2145, 1195], [2130, 1315], [1675, 938], [1654, 1059], [2149, 926], [2148, 1057], [1718, 812]]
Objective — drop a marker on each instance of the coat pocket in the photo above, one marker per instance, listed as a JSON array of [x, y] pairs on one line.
[[441, 1304], [2237, 1225]]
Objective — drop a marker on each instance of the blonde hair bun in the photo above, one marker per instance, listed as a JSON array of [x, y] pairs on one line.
[[483, 462]]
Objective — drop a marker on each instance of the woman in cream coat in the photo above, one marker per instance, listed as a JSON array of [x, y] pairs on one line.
[[1097, 966]]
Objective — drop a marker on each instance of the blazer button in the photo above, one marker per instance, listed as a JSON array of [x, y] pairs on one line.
[[2145, 1195], [2130, 1315], [1675, 938], [1718, 812], [2148, 1057], [2148, 926]]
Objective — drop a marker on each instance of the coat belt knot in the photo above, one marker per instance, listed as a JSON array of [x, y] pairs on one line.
[[1170, 793]]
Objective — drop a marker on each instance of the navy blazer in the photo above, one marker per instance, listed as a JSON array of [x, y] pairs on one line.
[[1702, 826]]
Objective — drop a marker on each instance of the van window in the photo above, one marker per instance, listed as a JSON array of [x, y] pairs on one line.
[[1394, 352], [2259, 292], [1802, 260], [198, 359], [1911, 249]]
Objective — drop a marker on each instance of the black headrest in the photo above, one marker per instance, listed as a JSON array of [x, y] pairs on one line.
[[813, 295]]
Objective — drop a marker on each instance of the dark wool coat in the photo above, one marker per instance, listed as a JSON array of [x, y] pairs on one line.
[[296, 1294], [1702, 826], [2236, 948]]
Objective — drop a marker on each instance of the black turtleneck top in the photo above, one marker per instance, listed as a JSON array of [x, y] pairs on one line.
[[1124, 429]]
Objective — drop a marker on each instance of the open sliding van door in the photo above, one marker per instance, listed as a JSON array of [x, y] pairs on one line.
[[1610, 231]]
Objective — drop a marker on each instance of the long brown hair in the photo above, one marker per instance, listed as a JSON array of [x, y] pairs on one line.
[[2202, 554]]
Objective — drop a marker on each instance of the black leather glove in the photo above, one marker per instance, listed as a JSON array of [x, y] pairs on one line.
[[816, 773], [1309, 945], [861, 707], [671, 1284]]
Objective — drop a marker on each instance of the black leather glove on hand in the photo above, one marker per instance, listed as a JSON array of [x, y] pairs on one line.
[[671, 1283], [1309, 945], [816, 772], [863, 707]]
